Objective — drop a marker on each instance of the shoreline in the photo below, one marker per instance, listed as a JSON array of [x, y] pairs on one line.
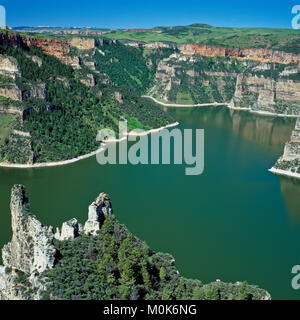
[[185, 105], [86, 156], [215, 104], [285, 173]]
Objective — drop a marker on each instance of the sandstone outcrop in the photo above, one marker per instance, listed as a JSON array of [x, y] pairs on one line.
[[54, 47], [57, 47], [82, 43], [9, 66], [257, 54]]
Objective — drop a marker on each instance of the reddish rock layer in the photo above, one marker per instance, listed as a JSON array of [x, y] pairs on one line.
[[54, 46], [262, 55]]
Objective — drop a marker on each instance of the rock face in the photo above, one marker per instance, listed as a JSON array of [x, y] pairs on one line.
[[72, 61], [151, 45], [9, 66], [82, 43], [98, 210], [36, 90], [31, 248], [69, 230], [53, 47], [119, 97], [57, 47], [262, 55], [257, 54], [265, 94], [192, 79], [11, 92], [189, 80], [88, 81], [290, 160], [159, 45], [32, 251]]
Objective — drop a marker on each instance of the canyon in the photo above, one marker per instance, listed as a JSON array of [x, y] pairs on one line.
[[258, 80]]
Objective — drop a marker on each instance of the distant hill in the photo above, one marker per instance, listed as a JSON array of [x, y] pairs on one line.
[[287, 40]]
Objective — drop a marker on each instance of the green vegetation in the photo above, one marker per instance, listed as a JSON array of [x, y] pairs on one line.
[[16, 149], [208, 79], [287, 107], [125, 66], [5, 82], [277, 39], [293, 166], [7, 124], [63, 115], [65, 125], [116, 265]]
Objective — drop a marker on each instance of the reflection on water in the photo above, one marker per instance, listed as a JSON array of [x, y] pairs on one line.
[[290, 189], [270, 132]]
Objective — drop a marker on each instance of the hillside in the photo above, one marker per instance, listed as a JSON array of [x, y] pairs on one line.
[[287, 40], [63, 94]]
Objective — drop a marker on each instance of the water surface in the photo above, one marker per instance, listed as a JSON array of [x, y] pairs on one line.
[[235, 222]]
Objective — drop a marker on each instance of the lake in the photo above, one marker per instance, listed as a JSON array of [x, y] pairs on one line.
[[235, 222]]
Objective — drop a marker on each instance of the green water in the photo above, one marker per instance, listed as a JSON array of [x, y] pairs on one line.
[[235, 222]]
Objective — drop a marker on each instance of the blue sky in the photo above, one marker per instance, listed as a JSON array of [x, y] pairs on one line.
[[145, 14]]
